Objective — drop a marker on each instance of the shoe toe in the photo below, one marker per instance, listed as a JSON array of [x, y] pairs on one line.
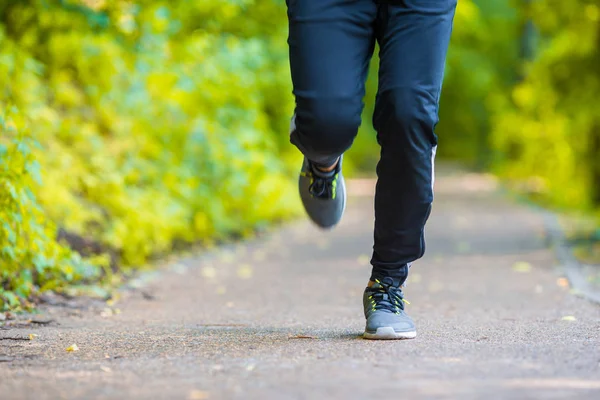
[[326, 213]]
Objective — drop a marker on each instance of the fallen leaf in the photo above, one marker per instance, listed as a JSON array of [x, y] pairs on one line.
[[562, 282], [209, 272], [451, 359], [244, 271], [363, 259], [569, 318], [32, 336], [42, 322], [522, 267], [72, 348], [227, 258], [198, 395], [303, 337], [221, 290]]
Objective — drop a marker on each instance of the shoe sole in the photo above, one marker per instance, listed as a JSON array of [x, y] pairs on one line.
[[388, 333]]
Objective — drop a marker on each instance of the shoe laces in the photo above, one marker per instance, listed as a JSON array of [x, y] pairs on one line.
[[323, 187], [385, 296]]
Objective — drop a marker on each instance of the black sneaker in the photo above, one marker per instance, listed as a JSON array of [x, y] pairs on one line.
[[323, 193], [384, 310]]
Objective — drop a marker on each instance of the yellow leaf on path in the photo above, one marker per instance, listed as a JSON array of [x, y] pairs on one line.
[[209, 271], [244, 271], [562, 282], [227, 258], [113, 300], [72, 348], [363, 259], [569, 318], [32, 336], [522, 267], [198, 395]]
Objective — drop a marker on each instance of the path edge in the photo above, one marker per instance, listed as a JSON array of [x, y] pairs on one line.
[[569, 263]]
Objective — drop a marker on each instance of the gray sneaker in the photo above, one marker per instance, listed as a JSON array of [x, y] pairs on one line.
[[323, 194], [384, 310]]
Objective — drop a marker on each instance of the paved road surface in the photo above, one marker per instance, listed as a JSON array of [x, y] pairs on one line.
[[280, 318]]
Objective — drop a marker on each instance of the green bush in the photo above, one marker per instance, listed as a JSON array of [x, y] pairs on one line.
[[481, 66], [30, 257], [547, 131], [156, 123]]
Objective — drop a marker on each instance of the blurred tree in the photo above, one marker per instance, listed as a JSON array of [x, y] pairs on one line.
[[546, 132], [154, 124]]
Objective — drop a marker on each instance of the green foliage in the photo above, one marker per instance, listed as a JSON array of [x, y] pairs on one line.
[[30, 257], [480, 67], [155, 123], [547, 133]]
